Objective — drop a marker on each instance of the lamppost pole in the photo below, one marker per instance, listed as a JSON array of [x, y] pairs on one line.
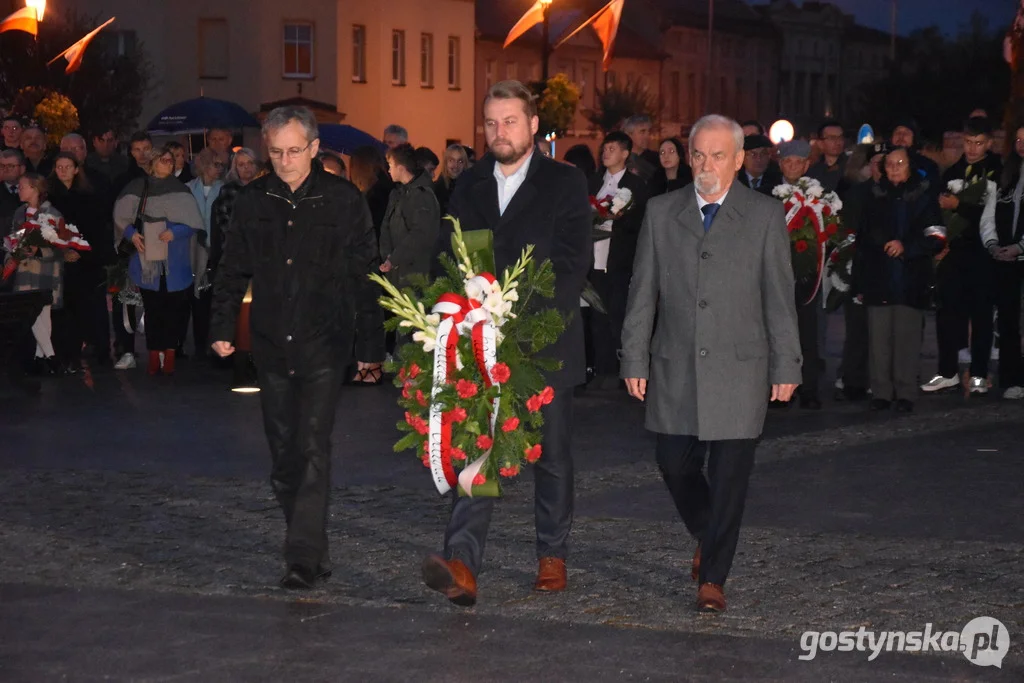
[[711, 34], [545, 48]]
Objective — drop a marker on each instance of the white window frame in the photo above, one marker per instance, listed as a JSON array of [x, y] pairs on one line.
[[427, 60], [358, 53], [397, 57], [285, 41], [454, 63]]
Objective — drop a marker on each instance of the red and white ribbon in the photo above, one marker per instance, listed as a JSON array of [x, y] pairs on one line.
[[460, 315]]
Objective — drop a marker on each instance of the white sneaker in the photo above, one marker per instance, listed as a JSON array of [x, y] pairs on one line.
[[978, 385], [125, 362], [939, 383], [1014, 393], [964, 356]]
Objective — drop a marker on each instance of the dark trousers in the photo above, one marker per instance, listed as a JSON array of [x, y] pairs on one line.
[[965, 292], [1008, 282], [298, 417], [466, 534], [808, 320], [604, 330], [124, 341], [83, 319], [895, 355], [712, 506], [198, 310], [854, 371], [163, 315]]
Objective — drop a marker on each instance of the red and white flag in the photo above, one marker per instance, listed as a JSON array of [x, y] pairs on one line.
[[76, 52], [22, 20]]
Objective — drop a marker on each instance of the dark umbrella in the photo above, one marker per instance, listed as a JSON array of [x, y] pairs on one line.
[[339, 137], [201, 114]]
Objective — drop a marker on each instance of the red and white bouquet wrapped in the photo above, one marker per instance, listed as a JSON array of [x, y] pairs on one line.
[[41, 230], [610, 208], [812, 217]]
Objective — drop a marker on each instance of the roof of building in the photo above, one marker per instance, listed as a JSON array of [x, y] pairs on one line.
[[639, 37]]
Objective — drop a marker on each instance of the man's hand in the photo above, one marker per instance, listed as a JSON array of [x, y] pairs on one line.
[[894, 248], [139, 242], [948, 202], [223, 348], [70, 256], [166, 236], [386, 266], [637, 387], [783, 392], [1009, 253]]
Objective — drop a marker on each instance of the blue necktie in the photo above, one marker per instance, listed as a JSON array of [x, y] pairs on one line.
[[709, 211]]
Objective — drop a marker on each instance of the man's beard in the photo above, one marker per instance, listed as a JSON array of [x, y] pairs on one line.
[[707, 183], [509, 153]]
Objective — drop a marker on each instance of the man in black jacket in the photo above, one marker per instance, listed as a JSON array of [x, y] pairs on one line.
[[305, 239], [613, 257], [758, 173], [525, 198]]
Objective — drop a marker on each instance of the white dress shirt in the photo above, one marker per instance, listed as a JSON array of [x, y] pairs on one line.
[[508, 185], [608, 189]]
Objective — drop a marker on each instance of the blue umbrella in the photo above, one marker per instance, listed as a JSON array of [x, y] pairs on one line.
[[201, 114], [342, 138]]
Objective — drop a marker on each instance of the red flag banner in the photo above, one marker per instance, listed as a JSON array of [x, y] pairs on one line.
[[22, 20], [76, 52], [533, 16], [606, 26]]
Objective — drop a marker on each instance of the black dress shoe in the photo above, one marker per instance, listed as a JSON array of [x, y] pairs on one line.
[[880, 404], [298, 578], [810, 403], [904, 406]]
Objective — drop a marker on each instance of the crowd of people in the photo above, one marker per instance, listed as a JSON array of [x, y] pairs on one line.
[[163, 218]]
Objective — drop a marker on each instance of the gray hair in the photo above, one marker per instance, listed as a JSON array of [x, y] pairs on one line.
[[282, 116], [395, 129], [232, 175], [13, 154], [73, 136], [636, 120], [719, 121]]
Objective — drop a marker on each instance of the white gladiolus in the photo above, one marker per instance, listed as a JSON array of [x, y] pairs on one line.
[[434, 320], [429, 343], [49, 234], [955, 186], [474, 291], [511, 295]]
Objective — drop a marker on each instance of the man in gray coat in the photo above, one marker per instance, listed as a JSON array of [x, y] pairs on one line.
[[713, 267]]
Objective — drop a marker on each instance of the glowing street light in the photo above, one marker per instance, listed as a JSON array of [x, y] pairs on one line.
[[39, 6], [781, 131]]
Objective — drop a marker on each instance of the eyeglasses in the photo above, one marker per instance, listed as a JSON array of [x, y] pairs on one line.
[[10, 166], [291, 152]]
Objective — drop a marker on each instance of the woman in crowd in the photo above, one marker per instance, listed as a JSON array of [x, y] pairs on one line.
[[582, 158], [182, 170], [85, 301], [455, 162], [205, 189], [1009, 267], [367, 170], [43, 271], [892, 271], [675, 171], [165, 276], [427, 161]]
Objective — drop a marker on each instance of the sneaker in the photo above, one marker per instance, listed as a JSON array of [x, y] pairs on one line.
[[125, 362], [1014, 393], [940, 383], [978, 385]]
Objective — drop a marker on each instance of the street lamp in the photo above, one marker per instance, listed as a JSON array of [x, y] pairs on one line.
[[545, 48], [39, 6], [781, 131]]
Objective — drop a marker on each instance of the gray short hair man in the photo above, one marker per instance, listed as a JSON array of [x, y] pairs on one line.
[[395, 135], [73, 143], [713, 267]]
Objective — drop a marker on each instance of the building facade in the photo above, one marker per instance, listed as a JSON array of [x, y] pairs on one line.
[[366, 63]]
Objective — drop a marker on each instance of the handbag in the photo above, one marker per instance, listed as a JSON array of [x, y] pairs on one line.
[[125, 248]]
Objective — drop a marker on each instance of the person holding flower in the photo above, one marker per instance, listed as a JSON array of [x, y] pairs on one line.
[[892, 271], [42, 271], [161, 219]]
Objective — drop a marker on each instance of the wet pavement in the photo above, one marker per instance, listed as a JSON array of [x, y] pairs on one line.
[[140, 541]]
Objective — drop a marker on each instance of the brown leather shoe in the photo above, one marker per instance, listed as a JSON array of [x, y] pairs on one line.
[[452, 578], [710, 598], [695, 571], [550, 575]]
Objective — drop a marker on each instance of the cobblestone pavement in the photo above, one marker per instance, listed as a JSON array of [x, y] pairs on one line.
[[134, 509]]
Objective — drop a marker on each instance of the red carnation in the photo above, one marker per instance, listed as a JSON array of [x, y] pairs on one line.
[[465, 388], [510, 424], [826, 211], [457, 414], [534, 403], [500, 373], [547, 396], [457, 453], [407, 390], [801, 246], [414, 371], [416, 423], [426, 460], [402, 374], [532, 453], [420, 398], [479, 480], [484, 442], [509, 471]]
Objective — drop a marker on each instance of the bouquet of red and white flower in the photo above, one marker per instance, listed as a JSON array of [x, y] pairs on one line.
[[39, 231], [472, 384], [812, 217], [610, 208]]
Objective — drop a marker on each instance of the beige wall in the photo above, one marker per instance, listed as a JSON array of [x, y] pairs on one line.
[[169, 31]]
